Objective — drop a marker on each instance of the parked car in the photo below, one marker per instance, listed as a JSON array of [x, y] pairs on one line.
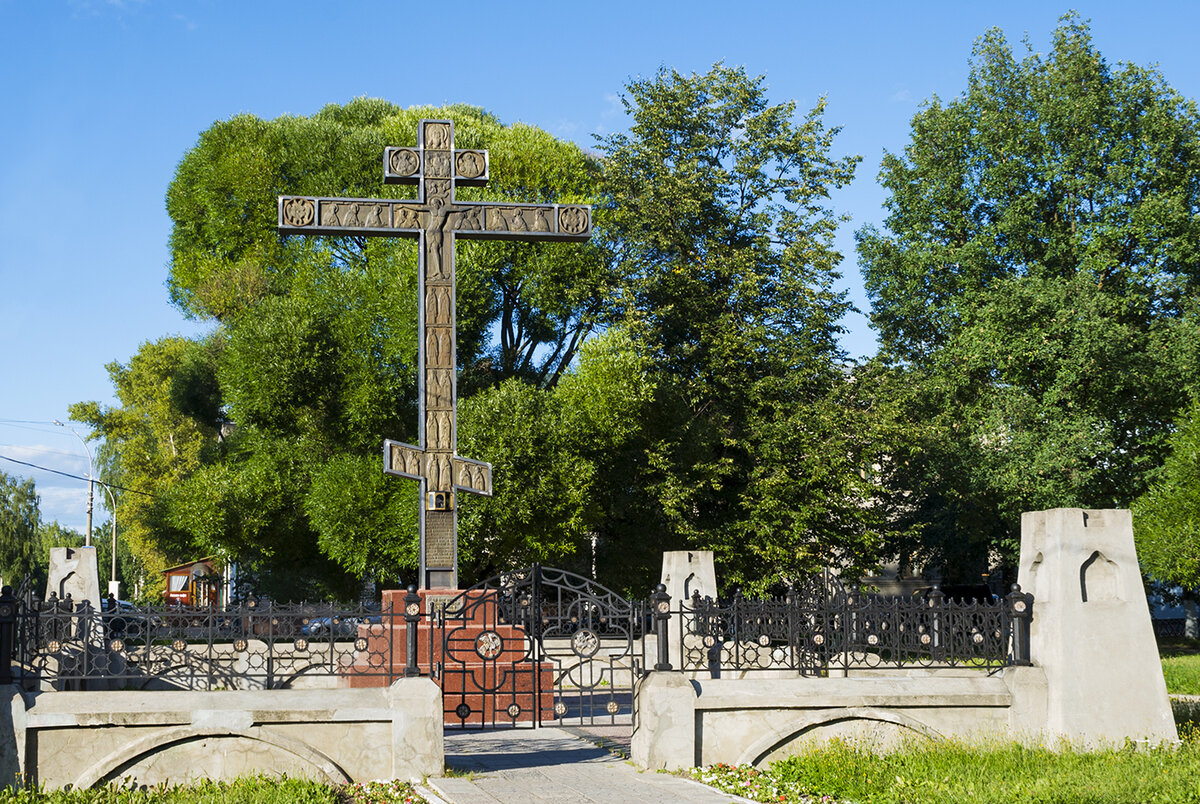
[[129, 621], [335, 626]]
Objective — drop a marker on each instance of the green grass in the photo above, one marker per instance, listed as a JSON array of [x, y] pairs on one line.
[[949, 773], [1181, 665], [250, 790]]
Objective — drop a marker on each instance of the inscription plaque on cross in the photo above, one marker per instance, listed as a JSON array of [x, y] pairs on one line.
[[435, 219]]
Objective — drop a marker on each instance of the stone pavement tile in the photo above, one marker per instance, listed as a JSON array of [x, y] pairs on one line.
[[550, 766], [460, 791]]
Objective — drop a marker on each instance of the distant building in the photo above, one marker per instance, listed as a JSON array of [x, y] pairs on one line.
[[195, 583]]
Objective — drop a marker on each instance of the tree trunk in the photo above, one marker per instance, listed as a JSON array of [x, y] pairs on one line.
[[1191, 628]]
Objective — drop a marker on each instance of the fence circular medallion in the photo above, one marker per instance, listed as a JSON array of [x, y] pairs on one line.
[[301, 644], [116, 645], [179, 645], [818, 639], [1019, 605], [513, 710], [412, 609], [585, 643], [663, 607], [709, 641], [925, 639], [612, 707], [6, 610], [764, 640], [872, 639], [404, 162], [977, 638], [54, 646], [560, 709], [298, 212], [489, 644], [463, 711], [360, 644]]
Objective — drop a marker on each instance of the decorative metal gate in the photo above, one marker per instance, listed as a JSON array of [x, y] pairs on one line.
[[539, 646]]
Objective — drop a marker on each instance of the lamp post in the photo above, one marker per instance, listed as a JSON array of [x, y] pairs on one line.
[[114, 586], [87, 536]]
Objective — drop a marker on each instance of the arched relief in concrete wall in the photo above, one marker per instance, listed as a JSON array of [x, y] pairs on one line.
[[1099, 579], [1037, 583], [211, 753], [882, 728]]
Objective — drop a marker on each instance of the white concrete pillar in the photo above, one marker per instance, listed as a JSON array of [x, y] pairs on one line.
[[1091, 630], [664, 735]]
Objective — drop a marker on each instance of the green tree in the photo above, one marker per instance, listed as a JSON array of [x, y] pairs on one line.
[[1034, 291], [1166, 518], [717, 205], [20, 520], [165, 427], [312, 362]]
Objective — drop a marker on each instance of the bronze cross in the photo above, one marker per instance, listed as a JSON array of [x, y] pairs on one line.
[[435, 219]]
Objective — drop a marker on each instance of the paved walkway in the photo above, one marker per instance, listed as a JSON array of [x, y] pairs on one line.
[[530, 766]]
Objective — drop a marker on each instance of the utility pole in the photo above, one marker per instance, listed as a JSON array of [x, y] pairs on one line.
[[87, 536]]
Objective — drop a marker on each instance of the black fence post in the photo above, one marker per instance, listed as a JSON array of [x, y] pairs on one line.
[[937, 602], [1020, 612], [412, 616], [8, 631], [662, 614]]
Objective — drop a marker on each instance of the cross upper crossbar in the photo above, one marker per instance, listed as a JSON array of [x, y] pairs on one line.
[[436, 219]]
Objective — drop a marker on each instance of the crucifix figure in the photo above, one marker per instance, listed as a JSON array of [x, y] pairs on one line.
[[435, 219]]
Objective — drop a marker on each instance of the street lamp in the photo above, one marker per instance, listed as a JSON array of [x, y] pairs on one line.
[[87, 536], [114, 586]]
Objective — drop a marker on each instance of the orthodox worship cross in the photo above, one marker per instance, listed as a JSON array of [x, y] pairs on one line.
[[435, 219]]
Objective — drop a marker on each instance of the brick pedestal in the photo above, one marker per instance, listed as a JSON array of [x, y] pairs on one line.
[[488, 674]]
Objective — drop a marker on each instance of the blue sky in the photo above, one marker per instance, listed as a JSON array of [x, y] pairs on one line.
[[101, 98]]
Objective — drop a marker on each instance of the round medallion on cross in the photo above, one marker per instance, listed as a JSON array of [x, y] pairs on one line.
[[469, 164], [298, 212], [573, 220], [404, 162]]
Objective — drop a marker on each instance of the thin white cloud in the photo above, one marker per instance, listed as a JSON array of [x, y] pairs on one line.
[[900, 96], [45, 456], [614, 105]]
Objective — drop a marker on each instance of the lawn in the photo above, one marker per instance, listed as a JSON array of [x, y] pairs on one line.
[[1181, 665], [949, 773], [251, 790]]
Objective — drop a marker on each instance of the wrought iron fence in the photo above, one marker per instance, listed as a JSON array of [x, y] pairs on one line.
[[821, 628], [61, 644]]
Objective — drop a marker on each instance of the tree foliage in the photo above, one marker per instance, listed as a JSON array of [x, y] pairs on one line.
[[1035, 290], [717, 202], [20, 521], [313, 359], [674, 383], [1166, 519]]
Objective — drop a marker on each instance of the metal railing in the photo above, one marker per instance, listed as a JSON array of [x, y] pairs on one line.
[[848, 629], [61, 644]]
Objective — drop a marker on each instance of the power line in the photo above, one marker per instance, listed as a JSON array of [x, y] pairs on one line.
[[76, 477]]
